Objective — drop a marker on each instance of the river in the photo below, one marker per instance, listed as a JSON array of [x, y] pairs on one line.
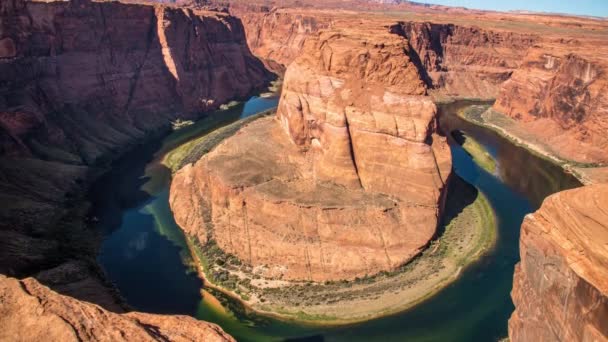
[[145, 255]]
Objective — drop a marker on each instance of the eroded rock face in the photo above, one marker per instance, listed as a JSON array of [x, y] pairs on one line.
[[80, 82], [30, 311], [455, 60], [110, 72], [560, 288], [277, 36], [548, 73], [347, 180], [464, 61], [561, 98]]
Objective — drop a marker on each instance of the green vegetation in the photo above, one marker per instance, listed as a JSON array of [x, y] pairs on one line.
[[193, 150], [479, 154], [467, 232], [509, 129]]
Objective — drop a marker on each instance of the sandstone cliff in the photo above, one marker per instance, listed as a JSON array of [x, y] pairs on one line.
[[278, 36], [560, 288], [559, 95], [464, 61], [80, 81], [30, 311], [455, 60], [114, 72], [347, 180], [547, 72]]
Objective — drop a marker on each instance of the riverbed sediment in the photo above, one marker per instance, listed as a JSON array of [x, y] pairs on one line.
[[467, 231]]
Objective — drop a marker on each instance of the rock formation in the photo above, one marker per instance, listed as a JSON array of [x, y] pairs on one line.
[[456, 60], [546, 72], [80, 82], [30, 311], [560, 97], [560, 288], [348, 180], [278, 36], [139, 65], [464, 61]]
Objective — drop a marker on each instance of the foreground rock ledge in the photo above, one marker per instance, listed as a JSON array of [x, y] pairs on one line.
[[347, 180], [560, 288], [30, 311]]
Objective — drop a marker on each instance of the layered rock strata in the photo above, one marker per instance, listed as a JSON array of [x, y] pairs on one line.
[[346, 181], [276, 36], [30, 311], [547, 72], [455, 60], [560, 287], [81, 81], [464, 61], [559, 96]]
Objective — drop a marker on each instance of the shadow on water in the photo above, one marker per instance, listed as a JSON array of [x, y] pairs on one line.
[[529, 175], [460, 195], [144, 253], [145, 256]]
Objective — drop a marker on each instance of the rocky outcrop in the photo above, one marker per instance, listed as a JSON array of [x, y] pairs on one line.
[[87, 77], [560, 288], [546, 79], [347, 180], [80, 82], [560, 98], [277, 36], [455, 60], [30, 311], [464, 61]]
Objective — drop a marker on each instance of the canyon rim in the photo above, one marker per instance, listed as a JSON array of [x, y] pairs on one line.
[[343, 204]]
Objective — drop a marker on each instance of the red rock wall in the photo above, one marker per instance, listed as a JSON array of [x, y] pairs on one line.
[[82, 81], [87, 77], [347, 180], [560, 288], [561, 98], [277, 37], [456, 60], [464, 61], [32, 312]]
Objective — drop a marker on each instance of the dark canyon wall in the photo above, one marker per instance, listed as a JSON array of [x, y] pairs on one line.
[[82, 81]]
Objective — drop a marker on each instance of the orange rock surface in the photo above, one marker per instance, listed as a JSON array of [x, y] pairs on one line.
[[30, 311], [546, 71], [347, 180], [82, 82], [560, 287], [560, 96]]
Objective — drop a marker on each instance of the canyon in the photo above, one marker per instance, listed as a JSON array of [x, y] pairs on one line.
[[348, 180], [548, 88], [33, 312], [315, 183], [80, 83]]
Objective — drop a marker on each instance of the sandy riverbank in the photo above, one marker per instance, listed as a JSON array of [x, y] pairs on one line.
[[469, 229], [517, 134]]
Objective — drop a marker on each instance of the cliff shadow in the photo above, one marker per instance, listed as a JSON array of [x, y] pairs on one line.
[[413, 54], [459, 196]]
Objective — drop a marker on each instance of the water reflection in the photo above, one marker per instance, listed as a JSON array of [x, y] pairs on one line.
[[534, 177], [144, 252], [132, 204]]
